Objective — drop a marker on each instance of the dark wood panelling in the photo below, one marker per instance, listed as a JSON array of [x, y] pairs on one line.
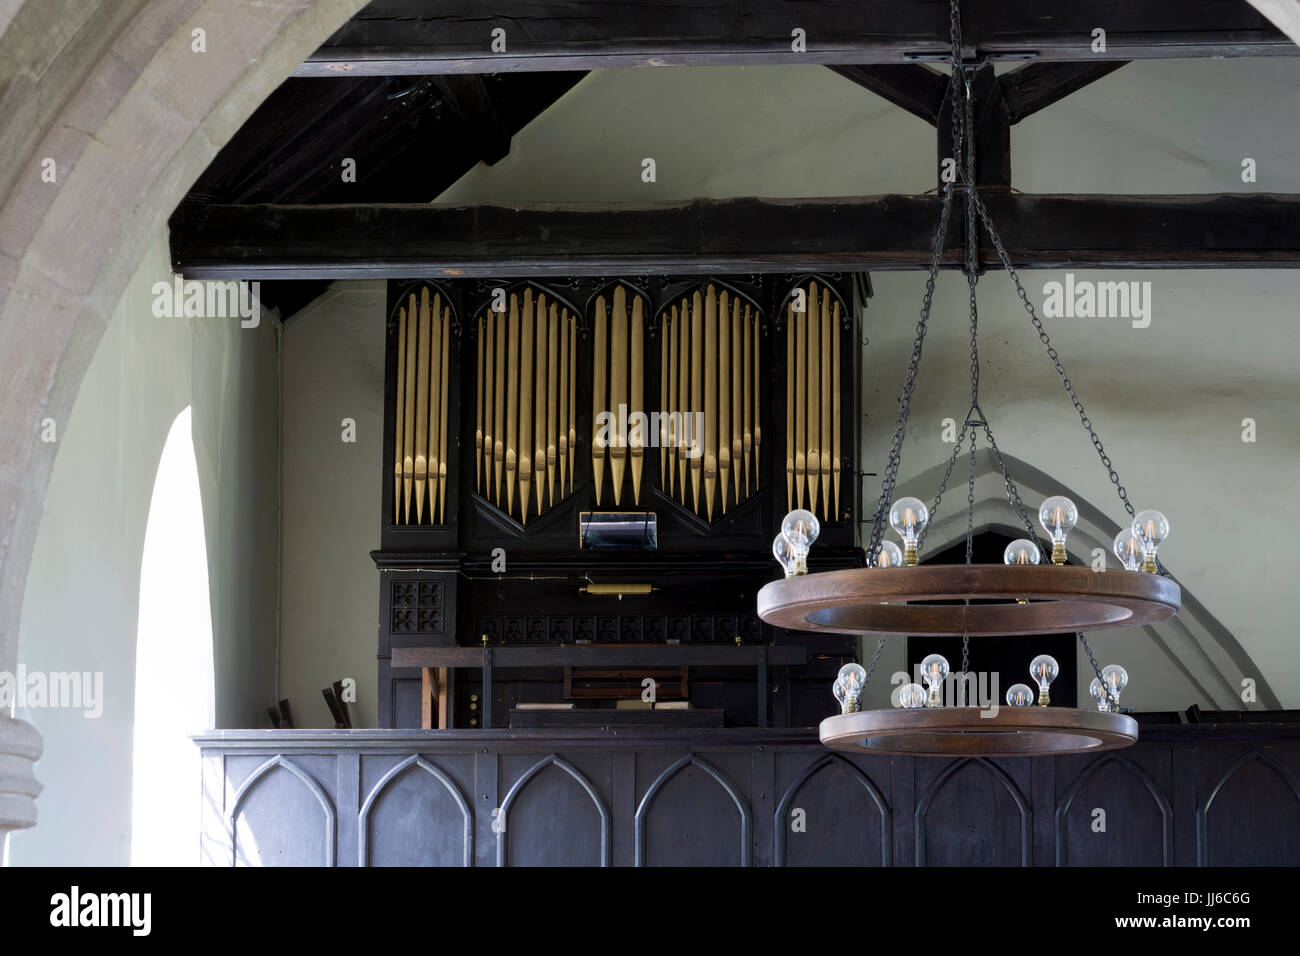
[[1185, 795]]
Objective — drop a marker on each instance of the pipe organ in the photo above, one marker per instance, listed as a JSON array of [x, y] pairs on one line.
[[664, 398], [618, 392], [420, 433], [712, 395], [525, 387], [813, 419]]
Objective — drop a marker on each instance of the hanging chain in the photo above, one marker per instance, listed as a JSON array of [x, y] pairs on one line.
[[890, 478], [1096, 669]]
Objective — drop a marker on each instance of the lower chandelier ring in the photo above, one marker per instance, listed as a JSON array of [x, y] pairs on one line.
[[971, 732]]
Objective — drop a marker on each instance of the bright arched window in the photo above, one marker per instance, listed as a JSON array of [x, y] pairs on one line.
[[174, 692]]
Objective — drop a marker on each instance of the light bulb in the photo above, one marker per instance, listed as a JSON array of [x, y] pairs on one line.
[[1116, 679], [934, 669], [1098, 692], [1044, 669], [1019, 695], [801, 527], [908, 517], [1021, 551], [911, 696], [1151, 528], [842, 695], [853, 677], [1128, 548], [891, 555], [1058, 516], [784, 553]]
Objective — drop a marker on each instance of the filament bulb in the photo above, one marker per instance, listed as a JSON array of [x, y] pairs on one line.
[[1128, 548], [911, 696], [1021, 551], [1058, 516], [854, 679], [891, 555], [1020, 695], [1151, 529], [800, 528], [908, 517], [934, 669], [1098, 692], [1044, 669], [784, 553], [1116, 679]]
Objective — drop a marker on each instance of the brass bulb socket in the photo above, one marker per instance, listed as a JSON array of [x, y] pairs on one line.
[[909, 556], [933, 700], [1149, 563], [1044, 698], [1058, 552]]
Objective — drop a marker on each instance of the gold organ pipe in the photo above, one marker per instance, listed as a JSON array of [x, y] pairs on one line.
[[813, 398], [724, 393], [637, 373], [747, 443], [710, 398], [539, 402], [617, 387], [789, 405], [488, 403], [758, 380], [835, 431], [563, 444], [825, 376], [400, 402], [573, 392], [478, 410], [526, 355], [512, 404], [422, 406], [499, 407], [800, 400], [697, 388], [552, 405], [739, 358], [442, 417], [683, 397], [670, 404], [408, 438], [598, 398], [435, 394], [663, 405]]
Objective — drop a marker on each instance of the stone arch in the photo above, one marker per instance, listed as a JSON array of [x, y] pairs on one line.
[[1197, 644], [131, 115]]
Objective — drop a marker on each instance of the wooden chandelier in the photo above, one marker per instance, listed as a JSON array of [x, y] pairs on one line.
[[903, 600]]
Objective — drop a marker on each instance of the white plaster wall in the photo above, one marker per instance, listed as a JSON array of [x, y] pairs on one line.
[[1168, 400], [82, 596], [333, 369]]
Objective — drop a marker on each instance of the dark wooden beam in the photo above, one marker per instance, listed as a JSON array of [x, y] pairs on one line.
[[992, 130], [916, 88], [1037, 85], [725, 236], [455, 36]]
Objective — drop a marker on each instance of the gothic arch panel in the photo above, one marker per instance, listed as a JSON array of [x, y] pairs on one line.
[[973, 814], [265, 820], [1250, 816], [553, 816], [833, 815], [415, 816], [692, 814], [1140, 835]]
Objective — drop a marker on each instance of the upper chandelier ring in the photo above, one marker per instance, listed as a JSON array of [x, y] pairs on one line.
[[903, 600]]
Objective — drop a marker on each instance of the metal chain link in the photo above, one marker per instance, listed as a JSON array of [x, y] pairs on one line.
[[1095, 668]]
